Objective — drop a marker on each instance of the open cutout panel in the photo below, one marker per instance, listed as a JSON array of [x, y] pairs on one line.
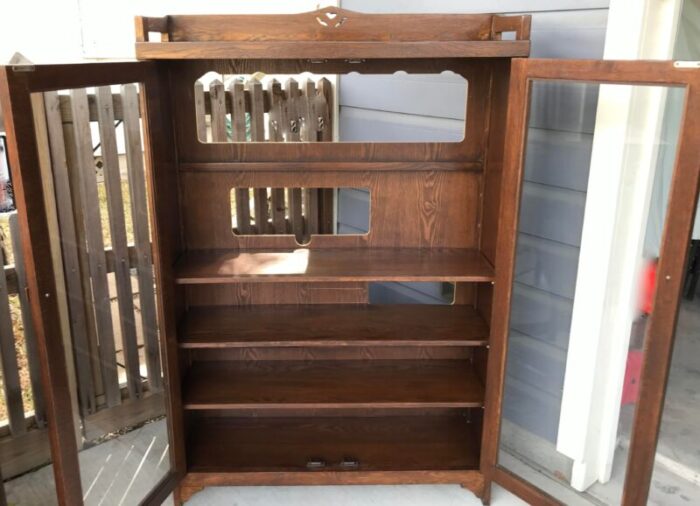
[[301, 212], [352, 107]]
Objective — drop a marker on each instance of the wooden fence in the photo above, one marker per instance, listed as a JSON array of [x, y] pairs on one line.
[[102, 215], [245, 112]]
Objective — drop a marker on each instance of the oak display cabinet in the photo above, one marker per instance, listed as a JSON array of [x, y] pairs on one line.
[[278, 370]]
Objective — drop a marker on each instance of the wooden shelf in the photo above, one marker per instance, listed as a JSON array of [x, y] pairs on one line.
[[396, 443], [355, 264], [281, 384], [331, 49], [331, 325]]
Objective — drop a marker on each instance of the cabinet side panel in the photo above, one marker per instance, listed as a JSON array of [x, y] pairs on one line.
[[493, 164], [167, 245]]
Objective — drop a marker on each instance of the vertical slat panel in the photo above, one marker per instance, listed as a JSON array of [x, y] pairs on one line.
[[274, 91], [309, 119], [239, 134], [28, 323], [257, 134], [115, 206], [217, 100], [310, 134], [70, 250], [92, 353], [295, 212], [290, 111], [325, 89], [324, 111], [95, 245], [238, 128], [8, 360], [200, 111], [142, 240], [275, 127], [291, 108]]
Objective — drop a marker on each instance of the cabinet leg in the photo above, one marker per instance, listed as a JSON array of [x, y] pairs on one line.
[[476, 486], [182, 494]]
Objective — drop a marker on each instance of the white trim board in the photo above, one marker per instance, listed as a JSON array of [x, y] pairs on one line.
[[621, 178]]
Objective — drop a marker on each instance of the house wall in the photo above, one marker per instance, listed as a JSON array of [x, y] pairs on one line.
[[554, 192]]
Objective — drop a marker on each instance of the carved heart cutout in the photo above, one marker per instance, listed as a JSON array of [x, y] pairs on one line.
[[328, 18]]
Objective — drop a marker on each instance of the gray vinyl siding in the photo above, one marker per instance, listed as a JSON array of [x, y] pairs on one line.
[[554, 191]]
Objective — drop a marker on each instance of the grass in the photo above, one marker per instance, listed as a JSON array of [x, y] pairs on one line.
[[15, 309]]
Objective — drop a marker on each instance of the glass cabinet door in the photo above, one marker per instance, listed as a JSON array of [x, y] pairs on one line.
[[83, 165], [600, 186]]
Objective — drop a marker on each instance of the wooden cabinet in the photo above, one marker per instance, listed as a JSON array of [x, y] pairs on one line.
[[278, 369], [287, 373]]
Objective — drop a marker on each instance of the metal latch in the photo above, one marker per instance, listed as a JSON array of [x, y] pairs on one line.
[[687, 64], [350, 463], [315, 464]]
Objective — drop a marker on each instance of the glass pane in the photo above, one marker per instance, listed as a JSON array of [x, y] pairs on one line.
[[593, 201], [351, 107], [24, 446], [97, 153]]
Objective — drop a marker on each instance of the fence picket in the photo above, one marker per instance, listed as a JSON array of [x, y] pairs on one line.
[[325, 109], [274, 90], [8, 360], [70, 250], [142, 239], [28, 324], [257, 134], [95, 245], [200, 111], [218, 111], [115, 207], [239, 134]]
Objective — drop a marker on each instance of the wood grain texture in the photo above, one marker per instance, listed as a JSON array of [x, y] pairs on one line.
[[331, 49], [35, 234], [391, 443], [332, 325], [347, 264], [332, 384], [340, 25], [471, 149], [246, 294], [407, 209]]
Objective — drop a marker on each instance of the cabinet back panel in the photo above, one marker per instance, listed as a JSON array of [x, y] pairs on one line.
[[408, 209]]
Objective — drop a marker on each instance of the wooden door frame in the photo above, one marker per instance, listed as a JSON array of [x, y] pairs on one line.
[[25, 145], [658, 344]]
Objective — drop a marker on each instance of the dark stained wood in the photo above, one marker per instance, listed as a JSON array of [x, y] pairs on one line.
[[35, 234], [471, 149], [329, 23], [160, 167], [661, 327], [679, 221], [332, 325], [246, 294], [523, 489], [331, 49], [307, 353], [332, 384], [421, 209], [356, 264], [393, 443], [328, 166]]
